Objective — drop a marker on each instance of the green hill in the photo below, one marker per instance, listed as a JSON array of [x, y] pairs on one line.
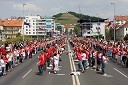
[[72, 17], [65, 18]]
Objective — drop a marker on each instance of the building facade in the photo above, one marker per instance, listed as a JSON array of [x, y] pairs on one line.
[[10, 28], [122, 31], [38, 26], [121, 27], [92, 28]]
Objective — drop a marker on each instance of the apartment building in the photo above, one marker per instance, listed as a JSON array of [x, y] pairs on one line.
[[38, 26], [10, 28]]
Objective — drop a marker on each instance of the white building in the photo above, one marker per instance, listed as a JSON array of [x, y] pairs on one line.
[[122, 31], [92, 28], [38, 26], [121, 27]]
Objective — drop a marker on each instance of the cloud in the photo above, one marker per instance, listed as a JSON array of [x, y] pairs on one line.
[[28, 6]]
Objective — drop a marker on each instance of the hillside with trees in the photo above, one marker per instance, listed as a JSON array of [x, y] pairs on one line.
[[72, 17]]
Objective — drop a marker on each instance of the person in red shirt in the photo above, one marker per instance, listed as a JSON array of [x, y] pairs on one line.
[[53, 48], [45, 59], [3, 50], [41, 63], [48, 56], [79, 57], [31, 50]]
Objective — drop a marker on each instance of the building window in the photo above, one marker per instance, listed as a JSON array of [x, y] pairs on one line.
[[29, 32], [26, 32], [33, 29], [26, 29], [33, 32], [33, 20], [126, 29], [33, 23]]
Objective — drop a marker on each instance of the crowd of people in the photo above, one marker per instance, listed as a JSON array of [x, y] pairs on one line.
[[88, 51], [12, 54], [95, 53], [51, 56]]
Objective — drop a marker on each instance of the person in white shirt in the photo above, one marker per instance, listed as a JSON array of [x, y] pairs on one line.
[[103, 61], [15, 52], [23, 54], [84, 60], [10, 58], [56, 62], [2, 64]]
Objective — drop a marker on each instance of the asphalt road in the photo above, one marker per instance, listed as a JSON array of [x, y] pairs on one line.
[[25, 74]]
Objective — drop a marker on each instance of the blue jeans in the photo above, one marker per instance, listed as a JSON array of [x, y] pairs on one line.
[[103, 67], [80, 65], [40, 68], [10, 65], [2, 71]]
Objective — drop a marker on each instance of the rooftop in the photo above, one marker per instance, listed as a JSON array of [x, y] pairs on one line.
[[119, 18], [11, 22]]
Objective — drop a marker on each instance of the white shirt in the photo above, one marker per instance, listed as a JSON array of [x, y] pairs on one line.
[[2, 63], [15, 53], [9, 56], [23, 53], [56, 59], [104, 59], [83, 56]]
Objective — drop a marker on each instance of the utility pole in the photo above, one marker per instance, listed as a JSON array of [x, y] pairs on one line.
[[114, 21], [23, 21]]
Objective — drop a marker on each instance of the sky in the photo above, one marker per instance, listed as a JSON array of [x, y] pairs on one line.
[[99, 8]]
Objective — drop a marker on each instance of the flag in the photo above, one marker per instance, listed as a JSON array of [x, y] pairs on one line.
[[25, 23]]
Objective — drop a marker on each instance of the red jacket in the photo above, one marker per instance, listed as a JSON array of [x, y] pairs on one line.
[[41, 60], [3, 50], [49, 53], [79, 57]]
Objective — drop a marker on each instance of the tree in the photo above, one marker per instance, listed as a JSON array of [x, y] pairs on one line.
[[109, 34], [18, 35], [71, 31], [77, 30], [66, 31]]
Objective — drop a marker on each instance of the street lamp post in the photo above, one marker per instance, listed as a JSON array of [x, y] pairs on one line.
[[90, 27], [114, 22], [23, 21], [98, 30]]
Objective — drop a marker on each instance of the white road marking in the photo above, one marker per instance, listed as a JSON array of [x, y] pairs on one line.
[[77, 79], [73, 77], [73, 65], [27, 73], [121, 73]]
